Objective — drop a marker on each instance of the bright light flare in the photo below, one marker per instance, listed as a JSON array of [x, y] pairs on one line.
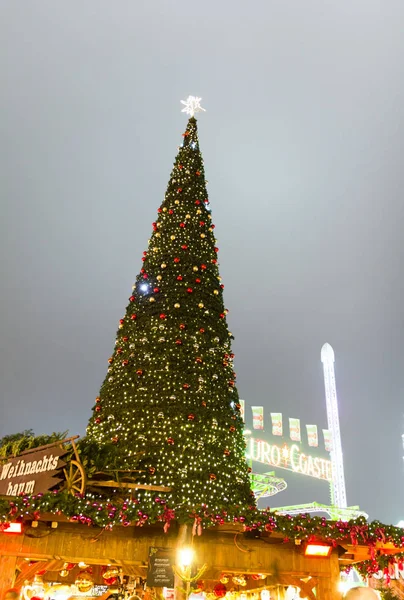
[[13, 528], [185, 557], [318, 550]]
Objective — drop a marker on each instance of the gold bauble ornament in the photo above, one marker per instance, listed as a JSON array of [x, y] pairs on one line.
[[163, 265], [84, 582], [187, 216], [157, 234], [165, 209], [199, 212], [177, 305], [155, 249], [176, 202], [203, 235], [111, 572], [172, 237], [152, 299], [159, 278], [216, 292], [200, 304], [195, 268]]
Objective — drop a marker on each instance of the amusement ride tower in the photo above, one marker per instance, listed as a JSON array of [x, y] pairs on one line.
[[338, 491]]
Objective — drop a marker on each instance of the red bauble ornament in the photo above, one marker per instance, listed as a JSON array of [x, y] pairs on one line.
[[179, 190], [152, 470], [170, 441], [197, 281], [201, 330], [98, 408], [110, 360], [197, 202], [212, 476], [216, 249], [222, 286], [133, 317], [197, 172], [232, 428], [220, 590], [139, 372], [191, 417], [122, 321], [226, 452], [119, 351], [198, 359], [190, 290], [231, 383], [159, 211], [182, 225], [184, 247], [145, 276], [203, 267], [132, 298], [182, 326], [171, 212], [97, 400], [142, 270], [115, 439], [125, 339], [180, 167], [156, 290], [179, 278], [162, 316], [249, 469], [176, 259], [125, 362], [222, 315], [178, 342], [214, 261], [98, 420], [203, 403], [186, 386]]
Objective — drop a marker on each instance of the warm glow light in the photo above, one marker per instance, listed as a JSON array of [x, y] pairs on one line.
[[318, 550], [185, 557], [13, 528]]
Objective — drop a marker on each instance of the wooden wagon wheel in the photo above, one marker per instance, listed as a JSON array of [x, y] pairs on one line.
[[75, 478]]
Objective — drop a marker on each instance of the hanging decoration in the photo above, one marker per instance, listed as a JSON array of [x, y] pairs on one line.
[[84, 582]]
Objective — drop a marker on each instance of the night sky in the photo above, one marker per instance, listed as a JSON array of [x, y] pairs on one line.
[[303, 148]]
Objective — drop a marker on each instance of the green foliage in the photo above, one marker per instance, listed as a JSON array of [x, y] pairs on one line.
[[14, 444], [388, 593], [170, 392]]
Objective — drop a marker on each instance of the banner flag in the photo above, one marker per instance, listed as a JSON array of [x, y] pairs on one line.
[[258, 417], [327, 440], [294, 430], [277, 428], [312, 435], [242, 409]]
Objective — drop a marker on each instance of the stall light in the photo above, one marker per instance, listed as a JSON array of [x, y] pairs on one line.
[[318, 550], [13, 528], [185, 557]]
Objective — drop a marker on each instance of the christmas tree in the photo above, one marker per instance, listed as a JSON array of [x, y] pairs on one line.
[[169, 406]]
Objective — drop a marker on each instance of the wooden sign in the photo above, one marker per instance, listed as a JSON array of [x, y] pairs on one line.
[[33, 472], [160, 570]]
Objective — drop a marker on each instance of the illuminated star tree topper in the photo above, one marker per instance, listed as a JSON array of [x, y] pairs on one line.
[[192, 105]]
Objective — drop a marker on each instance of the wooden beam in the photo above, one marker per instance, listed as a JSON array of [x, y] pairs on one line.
[[8, 565], [130, 486]]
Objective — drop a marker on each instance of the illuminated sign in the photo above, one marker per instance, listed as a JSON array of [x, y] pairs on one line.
[[290, 458]]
